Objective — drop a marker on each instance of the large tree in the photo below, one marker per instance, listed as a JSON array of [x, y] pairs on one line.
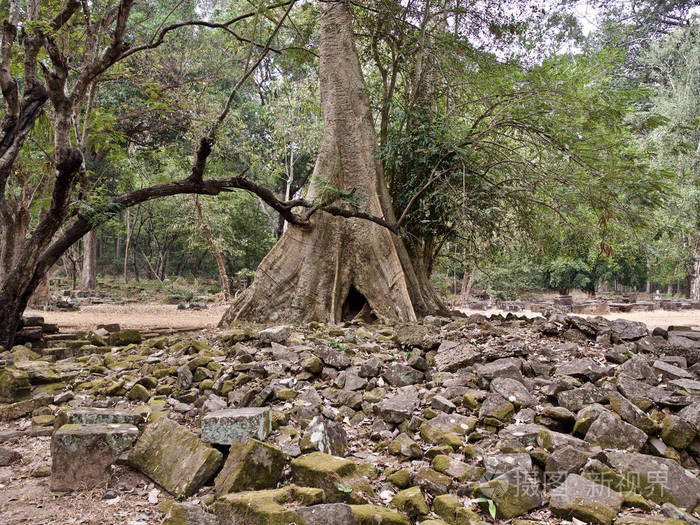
[[81, 42], [333, 269]]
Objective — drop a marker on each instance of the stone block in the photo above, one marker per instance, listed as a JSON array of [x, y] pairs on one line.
[[232, 425], [583, 499], [95, 416], [265, 507], [81, 455], [174, 457]]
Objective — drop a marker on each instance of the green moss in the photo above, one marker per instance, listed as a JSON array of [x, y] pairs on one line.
[[138, 393], [430, 413], [591, 512], [375, 515], [266, 507], [411, 501], [400, 478], [124, 338], [634, 500], [441, 463], [509, 499], [676, 433], [252, 465], [451, 439], [14, 385], [446, 507], [286, 394]]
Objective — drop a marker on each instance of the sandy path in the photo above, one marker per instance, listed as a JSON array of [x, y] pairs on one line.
[[168, 316], [653, 319], [134, 316]]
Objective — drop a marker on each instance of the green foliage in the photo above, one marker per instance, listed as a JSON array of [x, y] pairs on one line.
[[491, 505], [566, 274]]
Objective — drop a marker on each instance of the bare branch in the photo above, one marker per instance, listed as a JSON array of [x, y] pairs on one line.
[[163, 32], [111, 55]]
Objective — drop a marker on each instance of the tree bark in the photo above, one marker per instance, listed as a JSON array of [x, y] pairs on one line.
[[332, 268], [695, 280], [223, 278], [468, 282], [88, 276], [15, 225]]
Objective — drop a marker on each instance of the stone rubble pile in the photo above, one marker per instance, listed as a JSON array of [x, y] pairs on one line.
[[452, 421]]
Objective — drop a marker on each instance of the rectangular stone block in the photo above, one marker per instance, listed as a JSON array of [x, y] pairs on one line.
[[81, 455], [174, 457], [94, 416], [228, 426]]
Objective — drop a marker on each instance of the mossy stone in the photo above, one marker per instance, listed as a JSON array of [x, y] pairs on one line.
[[452, 440], [441, 463], [265, 507], [446, 507], [138, 393], [252, 465], [22, 353], [226, 387], [442, 450], [510, 498], [164, 390], [323, 471], [116, 389], [160, 373], [375, 515], [43, 421], [634, 500], [676, 432], [149, 382], [286, 394], [436, 482], [400, 478], [313, 365], [125, 337], [174, 457], [200, 374], [14, 385], [430, 413], [411, 501]]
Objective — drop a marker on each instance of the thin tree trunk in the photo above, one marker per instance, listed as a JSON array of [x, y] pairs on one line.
[[468, 282], [695, 280], [223, 278], [150, 267], [127, 242], [163, 262], [88, 276]]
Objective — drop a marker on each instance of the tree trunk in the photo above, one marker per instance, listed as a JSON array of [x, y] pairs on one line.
[[223, 278], [330, 270], [88, 277], [468, 282], [14, 229], [163, 263], [695, 281]]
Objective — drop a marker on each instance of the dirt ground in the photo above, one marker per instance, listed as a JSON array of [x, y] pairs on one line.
[[26, 498], [138, 316], [168, 316]]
